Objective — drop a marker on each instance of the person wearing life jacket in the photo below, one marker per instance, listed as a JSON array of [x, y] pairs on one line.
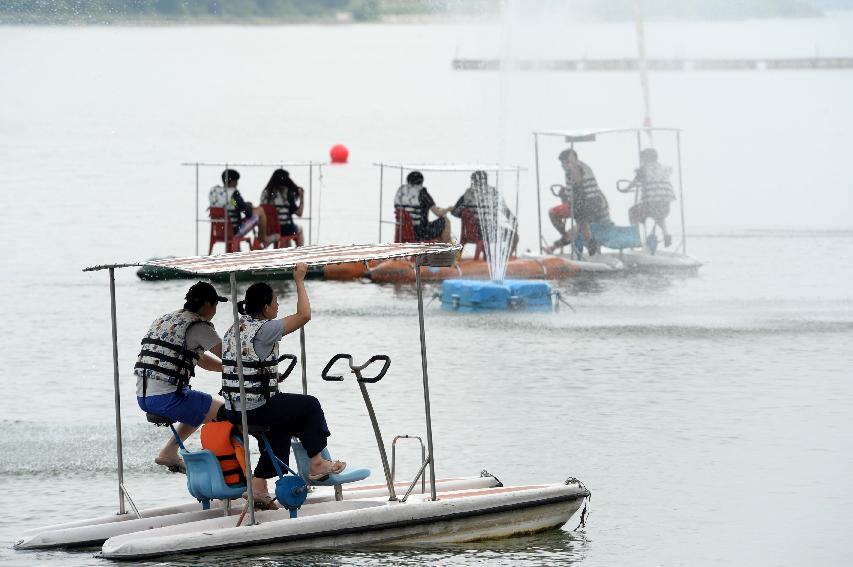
[[174, 344], [289, 199], [242, 215], [488, 206], [582, 199], [416, 200], [287, 415], [656, 192]]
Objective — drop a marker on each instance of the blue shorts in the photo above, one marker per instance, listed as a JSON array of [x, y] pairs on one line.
[[189, 408]]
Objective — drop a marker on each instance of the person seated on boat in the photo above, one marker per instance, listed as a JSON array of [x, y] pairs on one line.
[[289, 199], [488, 206], [416, 200], [244, 217], [656, 192], [174, 344], [586, 202], [287, 415]]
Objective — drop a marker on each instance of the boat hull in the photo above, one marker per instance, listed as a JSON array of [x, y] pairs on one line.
[[94, 531], [453, 518], [643, 260]]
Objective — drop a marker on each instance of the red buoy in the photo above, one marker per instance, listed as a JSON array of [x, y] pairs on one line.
[[339, 153]]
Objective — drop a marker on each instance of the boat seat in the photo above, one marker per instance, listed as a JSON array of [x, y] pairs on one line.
[[159, 420], [204, 478], [303, 465], [616, 237]]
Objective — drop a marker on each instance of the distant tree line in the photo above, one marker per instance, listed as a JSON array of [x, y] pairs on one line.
[[105, 11], [57, 11]]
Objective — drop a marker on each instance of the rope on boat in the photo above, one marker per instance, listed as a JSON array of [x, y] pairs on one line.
[[587, 500]]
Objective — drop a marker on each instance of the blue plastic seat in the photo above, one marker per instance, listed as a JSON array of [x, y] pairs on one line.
[[204, 478], [616, 237], [303, 465]]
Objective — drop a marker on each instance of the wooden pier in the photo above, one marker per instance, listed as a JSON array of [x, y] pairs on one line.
[[629, 64]]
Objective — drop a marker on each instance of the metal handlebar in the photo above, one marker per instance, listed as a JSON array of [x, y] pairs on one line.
[[356, 369], [290, 367], [625, 186]]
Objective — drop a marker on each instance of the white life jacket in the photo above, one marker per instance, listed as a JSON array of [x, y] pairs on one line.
[[283, 206], [409, 197], [164, 355], [587, 193], [655, 184], [223, 197], [260, 376]]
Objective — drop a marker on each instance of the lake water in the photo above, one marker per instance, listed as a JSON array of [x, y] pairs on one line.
[[709, 415]]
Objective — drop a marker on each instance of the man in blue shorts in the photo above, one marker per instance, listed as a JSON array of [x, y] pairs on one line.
[[171, 348]]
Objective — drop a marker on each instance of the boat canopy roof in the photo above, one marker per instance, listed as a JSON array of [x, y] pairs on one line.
[[287, 258], [589, 135], [254, 164], [465, 166]]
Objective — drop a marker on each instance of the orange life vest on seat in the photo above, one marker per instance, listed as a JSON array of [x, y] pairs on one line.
[[222, 439]]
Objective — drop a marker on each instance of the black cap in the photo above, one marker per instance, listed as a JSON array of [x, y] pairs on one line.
[[230, 175], [203, 292]]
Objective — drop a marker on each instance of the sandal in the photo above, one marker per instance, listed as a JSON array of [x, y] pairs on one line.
[[173, 466], [331, 467], [263, 500]]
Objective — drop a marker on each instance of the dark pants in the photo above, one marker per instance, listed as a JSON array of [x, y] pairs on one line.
[[287, 415]]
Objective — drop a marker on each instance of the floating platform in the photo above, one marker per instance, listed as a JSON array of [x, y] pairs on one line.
[[540, 268], [509, 295], [675, 64]]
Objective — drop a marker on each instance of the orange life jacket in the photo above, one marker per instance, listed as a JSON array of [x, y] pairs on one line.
[[222, 439]]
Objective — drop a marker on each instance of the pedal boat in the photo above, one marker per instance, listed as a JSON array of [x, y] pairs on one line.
[[644, 254], [437, 511]]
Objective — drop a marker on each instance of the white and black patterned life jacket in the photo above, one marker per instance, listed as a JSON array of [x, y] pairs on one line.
[[409, 197], [284, 202], [586, 191], [655, 184], [224, 197], [260, 376], [164, 355]]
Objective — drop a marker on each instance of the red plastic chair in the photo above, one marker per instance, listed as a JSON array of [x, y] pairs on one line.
[[404, 230], [274, 228], [222, 231], [471, 233]]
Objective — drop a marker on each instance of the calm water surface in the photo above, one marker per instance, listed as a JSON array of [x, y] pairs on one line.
[[709, 415]]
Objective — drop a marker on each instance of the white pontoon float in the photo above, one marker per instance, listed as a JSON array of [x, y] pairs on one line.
[[442, 511], [636, 252]]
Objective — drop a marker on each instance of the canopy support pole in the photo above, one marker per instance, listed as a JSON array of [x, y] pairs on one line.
[[681, 194], [117, 394], [197, 220], [418, 264], [310, 203], [244, 419], [304, 362], [538, 196], [381, 176]]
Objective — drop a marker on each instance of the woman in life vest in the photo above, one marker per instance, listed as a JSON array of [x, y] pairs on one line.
[[289, 199], [656, 192], [287, 415], [174, 344]]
